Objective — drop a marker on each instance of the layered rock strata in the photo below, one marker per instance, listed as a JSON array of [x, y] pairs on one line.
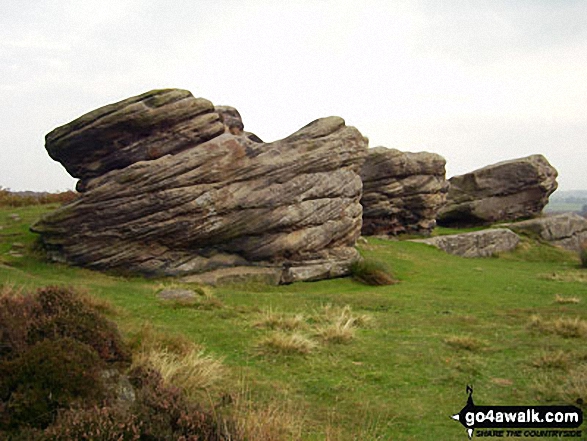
[[509, 190], [207, 199], [402, 191], [483, 243]]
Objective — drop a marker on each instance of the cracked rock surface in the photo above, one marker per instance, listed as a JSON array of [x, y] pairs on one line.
[[169, 190], [506, 191], [402, 191]]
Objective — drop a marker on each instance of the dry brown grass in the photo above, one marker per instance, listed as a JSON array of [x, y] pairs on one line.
[[564, 326], [274, 320], [466, 343], [272, 421], [148, 339], [569, 387], [192, 372], [566, 300], [289, 344], [553, 360], [566, 276]]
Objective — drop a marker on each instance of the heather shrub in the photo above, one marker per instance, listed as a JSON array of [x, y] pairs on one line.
[[49, 375], [64, 314], [165, 413], [17, 313], [97, 422]]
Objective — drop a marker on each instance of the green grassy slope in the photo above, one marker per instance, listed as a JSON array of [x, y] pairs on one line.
[[448, 323]]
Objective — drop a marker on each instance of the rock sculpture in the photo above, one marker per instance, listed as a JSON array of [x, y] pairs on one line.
[[402, 191], [509, 190], [168, 191]]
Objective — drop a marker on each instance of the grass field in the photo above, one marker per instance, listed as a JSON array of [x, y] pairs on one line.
[[340, 360]]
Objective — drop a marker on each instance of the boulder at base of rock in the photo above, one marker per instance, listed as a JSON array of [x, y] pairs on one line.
[[509, 190], [291, 206], [402, 191], [477, 244], [567, 230]]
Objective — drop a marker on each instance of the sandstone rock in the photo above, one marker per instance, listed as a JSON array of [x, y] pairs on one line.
[[477, 244], [233, 122], [140, 128], [509, 190], [567, 230], [228, 202], [402, 191]]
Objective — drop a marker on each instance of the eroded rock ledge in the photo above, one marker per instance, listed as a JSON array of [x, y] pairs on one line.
[[169, 191]]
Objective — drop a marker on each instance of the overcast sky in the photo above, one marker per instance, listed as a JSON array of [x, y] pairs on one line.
[[475, 81]]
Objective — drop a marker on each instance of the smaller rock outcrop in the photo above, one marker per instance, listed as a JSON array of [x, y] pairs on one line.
[[476, 244], [402, 191], [567, 230], [509, 190]]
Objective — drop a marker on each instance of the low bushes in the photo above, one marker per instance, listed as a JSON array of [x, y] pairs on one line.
[[62, 366]]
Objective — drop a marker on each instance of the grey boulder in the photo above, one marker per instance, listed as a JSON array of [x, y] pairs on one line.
[[506, 191], [483, 243], [567, 230]]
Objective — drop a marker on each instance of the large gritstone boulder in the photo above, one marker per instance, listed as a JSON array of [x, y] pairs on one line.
[[217, 201], [566, 230], [509, 190], [402, 191]]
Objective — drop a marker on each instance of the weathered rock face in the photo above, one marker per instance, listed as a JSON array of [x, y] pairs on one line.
[[567, 230], [291, 206], [402, 191], [477, 244], [140, 128], [233, 122], [509, 190]]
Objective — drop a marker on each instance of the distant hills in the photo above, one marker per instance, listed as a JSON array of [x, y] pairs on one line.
[[569, 200]]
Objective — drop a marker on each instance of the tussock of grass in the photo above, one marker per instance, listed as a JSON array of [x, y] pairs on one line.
[[289, 344], [274, 320], [564, 326], [148, 339], [566, 300], [340, 324], [332, 314], [553, 360], [372, 272], [566, 276], [466, 343], [571, 387], [273, 421], [191, 372], [340, 332]]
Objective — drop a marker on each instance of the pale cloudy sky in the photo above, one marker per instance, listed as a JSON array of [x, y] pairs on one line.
[[475, 81]]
